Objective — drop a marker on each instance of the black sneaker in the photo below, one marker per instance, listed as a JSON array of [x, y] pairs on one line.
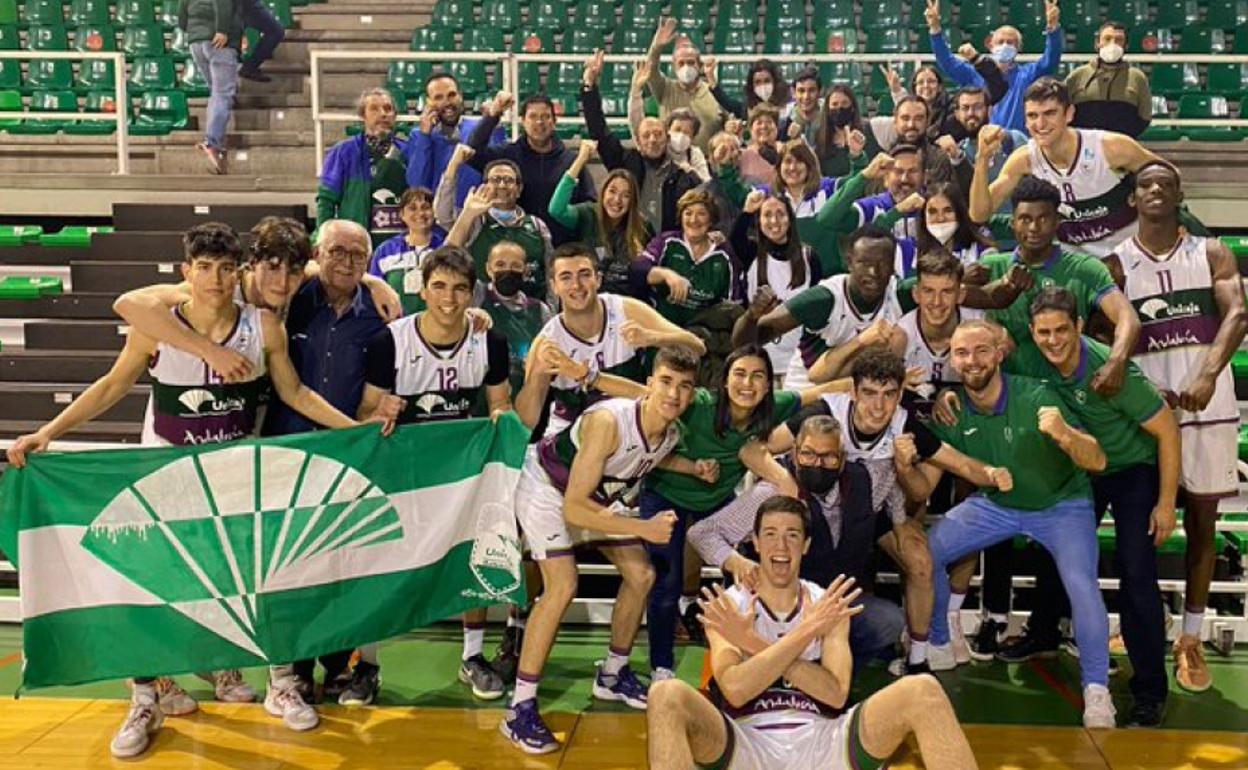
[[1147, 714], [253, 73], [507, 658], [987, 640], [335, 685], [1025, 648], [693, 626], [485, 682], [306, 689], [364, 686]]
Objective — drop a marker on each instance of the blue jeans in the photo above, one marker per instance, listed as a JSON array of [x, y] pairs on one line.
[[874, 632], [1067, 531], [258, 16], [220, 69]]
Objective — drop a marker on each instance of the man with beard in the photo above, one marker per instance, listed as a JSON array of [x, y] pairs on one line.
[[442, 127], [660, 181], [364, 176], [1016, 423], [782, 666], [540, 155], [1188, 292], [970, 110]]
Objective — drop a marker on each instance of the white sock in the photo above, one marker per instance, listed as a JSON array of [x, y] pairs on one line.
[[614, 663], [368, 653], [684, 604], [474, 640], [148, 689], [955, 602], [516, 621], [999, 617], [1192, 622], [918, 651], [278, 673], [525, 690]]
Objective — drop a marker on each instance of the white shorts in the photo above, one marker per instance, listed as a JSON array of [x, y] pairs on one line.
[[1210, 459], [819, 744], [539, 511]]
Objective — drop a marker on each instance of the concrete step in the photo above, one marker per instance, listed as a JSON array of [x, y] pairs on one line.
[[252, 154], [41, 403], [43, 366], [106, 431], [74, 335], [132, 219], [75, 304], [294, 49], [118, 277]]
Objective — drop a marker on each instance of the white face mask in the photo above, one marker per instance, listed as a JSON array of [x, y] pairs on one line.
[[687, 74], [943, 231], [679, 142], [764, 91], [1110, 53]]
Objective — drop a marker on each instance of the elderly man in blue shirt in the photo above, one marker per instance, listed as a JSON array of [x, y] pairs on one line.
[[1005, 45]]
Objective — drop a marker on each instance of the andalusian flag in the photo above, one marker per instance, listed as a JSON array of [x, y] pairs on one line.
[[143, 562]]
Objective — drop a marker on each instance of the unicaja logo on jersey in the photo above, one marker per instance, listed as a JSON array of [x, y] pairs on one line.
[[495, 559], [195, 401], [210, 533]]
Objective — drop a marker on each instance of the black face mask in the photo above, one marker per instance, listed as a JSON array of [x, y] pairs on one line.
[[817, 479], [508, 282], [841, 116]]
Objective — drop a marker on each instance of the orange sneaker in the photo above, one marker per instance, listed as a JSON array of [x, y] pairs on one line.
[[1190, 669]]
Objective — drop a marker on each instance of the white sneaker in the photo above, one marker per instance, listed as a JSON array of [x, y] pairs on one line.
[[283, 700], [961, 649], [661, 675], [940, 657], [174, 701], [142, 721], [229, 687], [1098, 708]]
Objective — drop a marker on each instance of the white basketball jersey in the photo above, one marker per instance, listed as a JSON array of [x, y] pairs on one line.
[[779, 276], [1173, 296], [935, 366], [781, 704], [841, 406], [190, 404], [1095, 214], [438, 384], [844, 324], [603, 353]]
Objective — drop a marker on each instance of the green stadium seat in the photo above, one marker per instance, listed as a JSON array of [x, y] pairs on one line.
[[1155, 133], [8, 12], [501, 14], [732, 76], [732, 40], [180, 46], [785, 14], [17, 235], [1178, 13], [954, 35], [10, 69], [95, 74], [837, 40], [473, 76], [1129, 12], [786, 41], [918, 15], [191, 81], [1203, 40], [737, 14], [981, 13], [631, 40], [884, 104], [597, 15], [582, 41], [432, 38], [408, 77], [548, 14], [454, 14], [834, 13], [143, 40], [47, 39], [1028, 13], [72, 236], [1230, 80], [282, 11], [532, 40], [135, 12], [95, 37], [167, 13], [882, 14], [642, 14], [1226, 14], [842, 73], [1152, 39], [47, 13], [61, 100], [692, 15], [10, 101], [563, 81], [888, 40], [161, 112], [96, 102], [1033, 37], [613, 84], [1239, 361], [49, 75], [1080, 15], [89, 12], [1085, 40], [1206, 106], [1173, 79], [28, 286], [152, 73]]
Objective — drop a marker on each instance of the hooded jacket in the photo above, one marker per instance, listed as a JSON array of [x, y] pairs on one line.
[[1113, 97]]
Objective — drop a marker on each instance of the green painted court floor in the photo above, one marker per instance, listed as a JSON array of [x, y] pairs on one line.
[[419, 670]]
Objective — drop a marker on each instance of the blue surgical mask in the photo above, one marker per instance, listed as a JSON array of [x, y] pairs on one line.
[[1005, 53], [504, 216]]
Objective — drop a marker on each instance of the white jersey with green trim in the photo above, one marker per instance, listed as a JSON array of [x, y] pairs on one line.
[[844, 323]]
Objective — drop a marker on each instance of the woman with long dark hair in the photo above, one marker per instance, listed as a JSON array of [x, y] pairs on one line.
[[840, 153], [944, 225], [764, 83]]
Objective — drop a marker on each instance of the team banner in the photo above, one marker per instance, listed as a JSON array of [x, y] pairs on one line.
[[143, 562]]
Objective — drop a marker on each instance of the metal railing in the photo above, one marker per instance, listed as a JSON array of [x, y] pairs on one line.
[[509, 64], [120, 115]]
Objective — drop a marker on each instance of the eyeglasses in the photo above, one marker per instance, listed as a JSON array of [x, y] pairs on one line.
[[340, 254], [503, 181], [809, 457]]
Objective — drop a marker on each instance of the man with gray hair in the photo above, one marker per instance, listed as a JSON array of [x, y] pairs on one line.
[[364, 176], [688, 89]]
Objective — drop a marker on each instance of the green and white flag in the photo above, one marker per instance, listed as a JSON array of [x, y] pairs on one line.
[[143, 562]]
